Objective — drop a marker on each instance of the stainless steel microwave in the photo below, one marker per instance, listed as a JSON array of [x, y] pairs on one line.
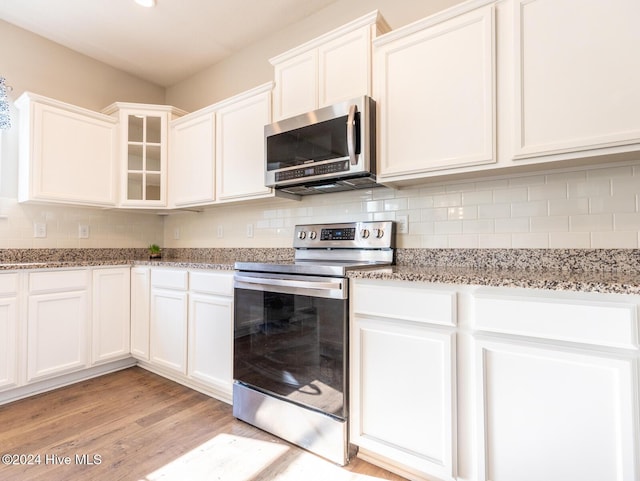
[[328, 150]]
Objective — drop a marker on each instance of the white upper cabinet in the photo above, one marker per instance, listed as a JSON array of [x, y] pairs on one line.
[[144, 132], [68, 154], [577, 77], [328, 69], [192, 159], [240, 164], [435, 88]]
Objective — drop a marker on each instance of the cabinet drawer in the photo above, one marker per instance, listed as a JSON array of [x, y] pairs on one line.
[[58, 281], [220, 283], [408, 301], [169, 279], [8, 284], [587, 321]]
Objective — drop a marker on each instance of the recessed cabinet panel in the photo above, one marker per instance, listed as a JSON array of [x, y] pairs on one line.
[[297, 85], [435, 92], [57, 334], [192, 165], [140, 305], [8, 342], [577, 72], [168, 330], [402, 400], [555, 415], [344, 67], [68, 154], [111, 314], [211, 340], [240, 147]]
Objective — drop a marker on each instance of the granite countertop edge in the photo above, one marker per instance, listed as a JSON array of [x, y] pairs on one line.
[[589, 280], [600, 282]]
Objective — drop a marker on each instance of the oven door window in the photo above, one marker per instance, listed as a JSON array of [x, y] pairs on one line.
[[292, 346]]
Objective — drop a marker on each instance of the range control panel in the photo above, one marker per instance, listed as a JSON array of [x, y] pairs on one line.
[[355, 235]]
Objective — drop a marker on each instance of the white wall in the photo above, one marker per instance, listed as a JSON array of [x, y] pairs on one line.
[[596, 207]]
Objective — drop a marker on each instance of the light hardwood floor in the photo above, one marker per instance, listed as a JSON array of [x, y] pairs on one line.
[[136, 426]]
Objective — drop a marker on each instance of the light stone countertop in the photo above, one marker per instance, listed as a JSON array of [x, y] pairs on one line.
[[578, 281], [581, 270]]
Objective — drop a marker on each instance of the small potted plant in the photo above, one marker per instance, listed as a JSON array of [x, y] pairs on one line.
[[154, 251]]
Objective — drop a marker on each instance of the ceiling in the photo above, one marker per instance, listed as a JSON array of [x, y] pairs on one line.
[[164, 44]]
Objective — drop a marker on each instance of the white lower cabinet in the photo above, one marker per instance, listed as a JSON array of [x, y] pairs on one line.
[[556, 401], [140, 315], [57, 323], [110, 318], [403, 377], [168, 326], [8, 330], [190, 328], [210, 342], [454, 382]]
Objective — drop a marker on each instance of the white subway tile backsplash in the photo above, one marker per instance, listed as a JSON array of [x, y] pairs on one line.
[[555, 223], [611, 204], [462, 213], [447, 227], [494, 211], [585, 207], [626, 222], [591, 222], [516, 194], [519, 224], [529, 209], [617, 240], [569, 240], [494, 241], [568, 206], [548, 191]]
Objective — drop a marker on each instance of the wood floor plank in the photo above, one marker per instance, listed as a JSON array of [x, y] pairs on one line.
[[143, 427]]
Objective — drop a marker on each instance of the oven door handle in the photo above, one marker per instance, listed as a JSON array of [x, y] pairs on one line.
[[333, 289]]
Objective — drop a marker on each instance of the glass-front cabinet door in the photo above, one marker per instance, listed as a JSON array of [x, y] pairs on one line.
[[144, 139]]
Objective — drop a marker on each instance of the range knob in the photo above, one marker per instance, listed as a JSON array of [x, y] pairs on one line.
[[302, 234], [364, 233], [313, 234], [379, 233]]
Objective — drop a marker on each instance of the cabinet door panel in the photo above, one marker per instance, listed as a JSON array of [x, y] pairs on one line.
[[192, 161], [8, 342], [73, 157], [140, 303], [402, 400], [211, 340], [435, 89], [296, 85], [111, 314], [574, 412], [240, 147], [344, 67], [169, 329], [57, 334], [577, 73]]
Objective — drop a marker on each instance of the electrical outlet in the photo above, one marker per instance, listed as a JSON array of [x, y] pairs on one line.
[[176, 233], [249, 230], [220, 232], [402, 223], [39, 229], [83, 231]]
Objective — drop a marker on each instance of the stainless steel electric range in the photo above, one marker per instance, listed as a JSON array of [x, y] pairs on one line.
[[291, 334]]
